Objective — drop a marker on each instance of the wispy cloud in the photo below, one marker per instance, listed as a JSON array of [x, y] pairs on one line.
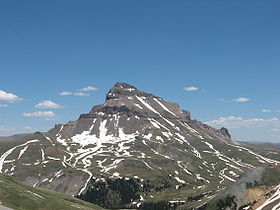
[[9, 97], [51, 118], [275, 129], [28, 128], [65, 93], [81, 94], [39, 114], [240, 100], [3, 105], [88, 88], [265, 110], [239, 122], [5, 129], [191, 88], [48, 104]]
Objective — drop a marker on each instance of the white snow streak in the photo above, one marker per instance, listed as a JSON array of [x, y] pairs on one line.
[[147, 105], [3, 157], [164, 107], [85, 186], [147, 164], [22, 152], [179, 180]]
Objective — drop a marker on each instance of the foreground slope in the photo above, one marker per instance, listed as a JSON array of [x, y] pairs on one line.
[[140, 141], [16, 195]]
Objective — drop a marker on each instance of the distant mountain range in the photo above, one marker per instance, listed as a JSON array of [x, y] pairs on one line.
[[263, 142], [14, 137], [139, 151]]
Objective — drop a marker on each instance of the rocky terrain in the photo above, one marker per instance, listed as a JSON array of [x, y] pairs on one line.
[[140, 141]]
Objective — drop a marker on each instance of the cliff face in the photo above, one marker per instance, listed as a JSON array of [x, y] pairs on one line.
[[133, 109]]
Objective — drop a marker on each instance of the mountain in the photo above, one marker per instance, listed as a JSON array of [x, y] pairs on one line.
[[137, 151], [14, 137], [265, 144]]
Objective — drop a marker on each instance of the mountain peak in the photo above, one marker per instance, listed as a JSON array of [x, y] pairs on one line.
[[120, 89], [126, 99], [123, 85], [124, 90]]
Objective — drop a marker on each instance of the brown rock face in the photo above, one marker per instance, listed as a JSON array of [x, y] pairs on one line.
[[133, 109], [225, 132]]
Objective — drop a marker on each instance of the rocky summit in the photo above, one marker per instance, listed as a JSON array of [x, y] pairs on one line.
[[138, 151]]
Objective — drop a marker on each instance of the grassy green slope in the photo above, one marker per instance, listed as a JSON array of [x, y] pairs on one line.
[[16, 195]]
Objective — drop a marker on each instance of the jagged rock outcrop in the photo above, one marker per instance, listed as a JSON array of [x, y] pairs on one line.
[[225, 132]]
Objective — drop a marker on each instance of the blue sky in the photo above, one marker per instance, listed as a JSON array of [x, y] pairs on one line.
[[229, 50]]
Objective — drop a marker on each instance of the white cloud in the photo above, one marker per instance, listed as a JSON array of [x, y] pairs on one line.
[[3, 105], [191, 88], [240, 100], [9, 97], [275, 129], [65, 93], [51, 118], [265, 110], [239, 122], [5, 129], [28, 128], [81, 94], [80, 91], [88, 88], [39, 114], [48, 104]]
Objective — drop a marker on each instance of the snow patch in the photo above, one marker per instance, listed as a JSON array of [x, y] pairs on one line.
[[22, 152], [164, 107], [179, 180], [6, 154]]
